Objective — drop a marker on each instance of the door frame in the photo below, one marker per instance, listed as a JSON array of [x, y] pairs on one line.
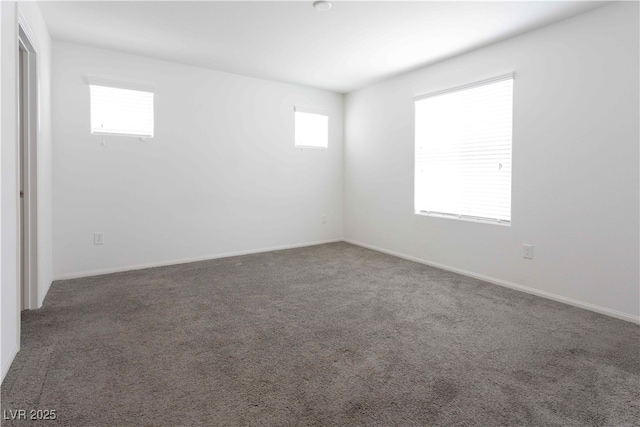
[[28, 136]]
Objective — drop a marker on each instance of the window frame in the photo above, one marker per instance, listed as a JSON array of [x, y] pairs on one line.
[[115, 84], [464, 217], [310, 110]]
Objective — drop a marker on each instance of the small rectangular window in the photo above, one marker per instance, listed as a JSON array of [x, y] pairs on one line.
[[311, 128], [463, 152], [121, 109]]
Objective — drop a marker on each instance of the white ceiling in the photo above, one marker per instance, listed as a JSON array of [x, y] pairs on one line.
[[348, 47]]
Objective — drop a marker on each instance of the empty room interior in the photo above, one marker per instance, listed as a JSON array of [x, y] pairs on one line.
[[329, 213]]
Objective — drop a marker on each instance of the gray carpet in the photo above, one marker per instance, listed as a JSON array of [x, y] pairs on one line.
[[331, 335]]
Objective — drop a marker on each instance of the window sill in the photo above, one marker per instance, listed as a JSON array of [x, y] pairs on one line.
[[502, 223], [304, 147], [127, 135]]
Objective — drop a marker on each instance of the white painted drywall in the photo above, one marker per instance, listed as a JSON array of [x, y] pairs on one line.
[[575, 164], [347, 48], [220, 176], [10, 297]]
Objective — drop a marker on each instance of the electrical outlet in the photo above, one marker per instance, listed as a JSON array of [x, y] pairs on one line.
[[324, 218], [527, 251], [98, 238]]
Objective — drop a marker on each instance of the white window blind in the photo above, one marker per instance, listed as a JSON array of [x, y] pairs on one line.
[[311, 128], [463, 151], [121, 109]]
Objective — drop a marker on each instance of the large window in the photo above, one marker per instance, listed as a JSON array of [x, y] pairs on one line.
[[311, 128], [463, 152], [121, 109]]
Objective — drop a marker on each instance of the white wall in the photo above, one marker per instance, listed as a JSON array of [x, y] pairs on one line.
[[10, 297], [220, 176], [575, 164]]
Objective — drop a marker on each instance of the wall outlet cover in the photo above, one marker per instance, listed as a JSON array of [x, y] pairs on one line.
[[98, 238]]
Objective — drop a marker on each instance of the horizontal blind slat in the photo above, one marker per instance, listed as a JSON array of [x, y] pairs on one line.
[[121, 111], [463, 151]]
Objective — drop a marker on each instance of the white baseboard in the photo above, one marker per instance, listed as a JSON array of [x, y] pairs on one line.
[[187, 260], [543, 294], [7, 364]]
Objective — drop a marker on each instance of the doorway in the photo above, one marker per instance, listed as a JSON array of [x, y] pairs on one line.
[[27, 170]]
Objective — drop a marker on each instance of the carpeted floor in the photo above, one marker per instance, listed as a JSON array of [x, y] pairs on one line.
[[331, 335]]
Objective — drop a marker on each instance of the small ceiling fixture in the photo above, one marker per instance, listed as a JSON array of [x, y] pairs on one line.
[[322, 5]]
